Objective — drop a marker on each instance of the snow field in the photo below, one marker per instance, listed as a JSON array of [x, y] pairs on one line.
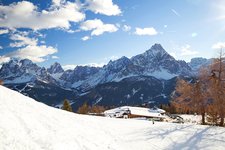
[[26, 124]]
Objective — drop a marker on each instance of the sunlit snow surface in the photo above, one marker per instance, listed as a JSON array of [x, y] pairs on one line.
[[28, 125]]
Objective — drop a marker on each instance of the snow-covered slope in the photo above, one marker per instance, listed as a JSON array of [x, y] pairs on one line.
[[26, 124]]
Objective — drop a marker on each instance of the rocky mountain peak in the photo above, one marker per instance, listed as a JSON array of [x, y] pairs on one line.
[[118, 65], [26, 62], [122, 60], [198, 62], [55, 68], [156, 50]]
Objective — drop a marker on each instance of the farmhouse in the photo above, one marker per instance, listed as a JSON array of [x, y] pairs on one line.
[[134, 112]]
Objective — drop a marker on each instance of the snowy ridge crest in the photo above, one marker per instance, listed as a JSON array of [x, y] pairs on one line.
[[154, 62]]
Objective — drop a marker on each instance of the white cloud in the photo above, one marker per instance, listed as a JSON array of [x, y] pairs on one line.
[[105, 28], [175, 12], [22, 40], [97, 27], [219, 45], [105, 7], [4, 59], [118, 25], [25, 14], [42, 42], [194, 34], [28, 48], [94, 64], [55, 57], [111, 58], [146, 31], [72, 67], [186, 51], [72, 31], [91, 24], [1, 47], [85, 38], [165, 26], [4, 31], [69, 67], [174, 55], [33, 52], [126, 28], [58, 2]]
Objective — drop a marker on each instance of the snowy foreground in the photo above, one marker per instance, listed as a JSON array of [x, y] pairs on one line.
[[27, 124]]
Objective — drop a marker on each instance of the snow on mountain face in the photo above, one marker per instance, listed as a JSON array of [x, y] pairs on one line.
[[23, 71], [197, 63], [78, 75], [55, 68], [158, 63], [154, 62], [133, 91], [27, 124]]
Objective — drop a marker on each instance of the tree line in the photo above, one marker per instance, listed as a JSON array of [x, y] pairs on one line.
[[84, 109], [204, 95]]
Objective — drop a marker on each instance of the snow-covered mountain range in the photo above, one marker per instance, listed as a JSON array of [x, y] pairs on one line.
[[26, 76], [154, 62]]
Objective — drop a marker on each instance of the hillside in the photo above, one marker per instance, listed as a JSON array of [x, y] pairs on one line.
[[27, 124]]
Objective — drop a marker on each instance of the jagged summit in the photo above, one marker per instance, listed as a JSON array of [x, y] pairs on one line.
[[26, 62], [55, 68], [156, 49], [118, 64], [23, 71], [153, 62], [198, 62], [153, 69]]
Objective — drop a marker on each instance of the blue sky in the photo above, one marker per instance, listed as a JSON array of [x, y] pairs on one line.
[[95, 31]]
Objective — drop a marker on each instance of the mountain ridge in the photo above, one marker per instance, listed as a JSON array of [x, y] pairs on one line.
[[155, 64]]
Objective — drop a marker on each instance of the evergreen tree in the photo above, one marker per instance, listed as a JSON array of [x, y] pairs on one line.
[[67, 106]]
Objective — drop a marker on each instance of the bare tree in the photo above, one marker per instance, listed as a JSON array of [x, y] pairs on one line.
[[191, 97], [1, 82], [217, 86], [67, 106], [84, 109], [206, 94]]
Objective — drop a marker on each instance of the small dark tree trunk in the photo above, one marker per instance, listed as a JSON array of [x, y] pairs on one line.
[[203, 118], [221, 121]]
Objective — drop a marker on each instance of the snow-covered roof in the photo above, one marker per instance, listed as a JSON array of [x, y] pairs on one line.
[[140, 111]]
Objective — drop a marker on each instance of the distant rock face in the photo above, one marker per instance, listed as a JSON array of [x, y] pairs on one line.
[[197, 63], [158, 63], [78, 75], [133, 91], [55, 68], [153, 70], [22, 71], [154, 62]]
